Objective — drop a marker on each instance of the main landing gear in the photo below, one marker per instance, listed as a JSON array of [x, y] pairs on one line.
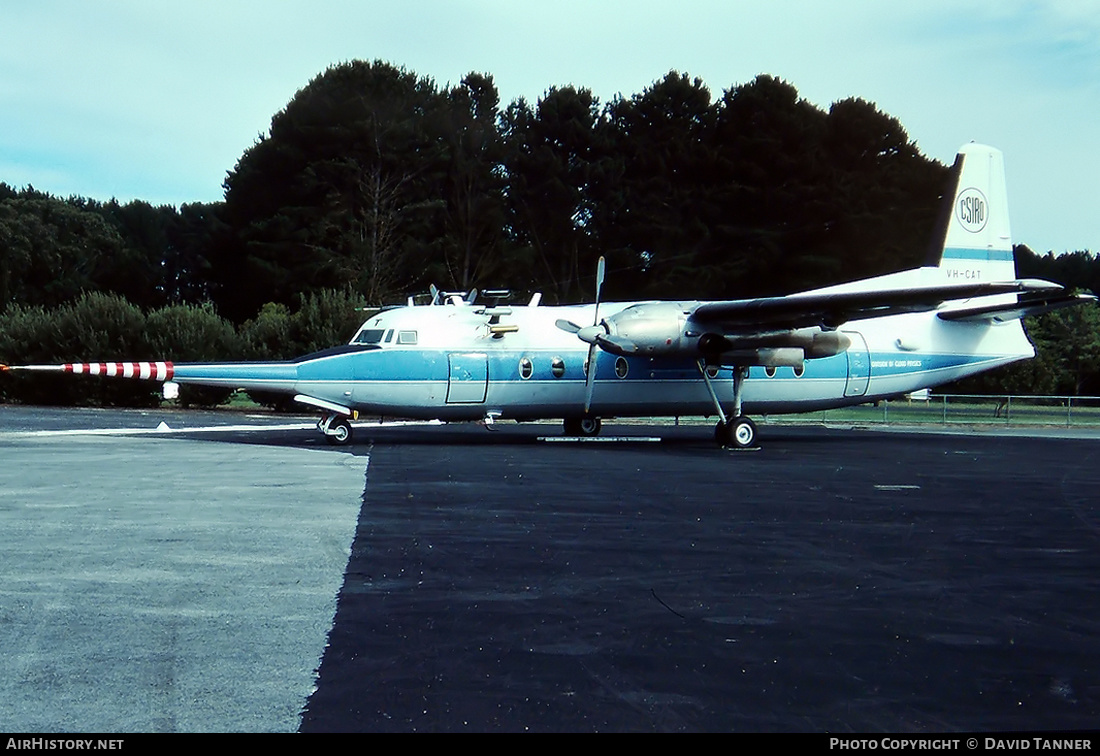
[[336, 429], [738, 432], [586, 426]]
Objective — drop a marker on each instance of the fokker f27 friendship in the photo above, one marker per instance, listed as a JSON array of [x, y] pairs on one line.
[[455, 360]]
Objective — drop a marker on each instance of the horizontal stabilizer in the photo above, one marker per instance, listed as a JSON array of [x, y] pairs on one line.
[[1002, 313]]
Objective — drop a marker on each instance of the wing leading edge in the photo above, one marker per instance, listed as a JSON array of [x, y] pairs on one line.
[[830, 310]]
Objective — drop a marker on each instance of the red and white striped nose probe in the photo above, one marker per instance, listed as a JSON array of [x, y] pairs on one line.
[[156, 371]]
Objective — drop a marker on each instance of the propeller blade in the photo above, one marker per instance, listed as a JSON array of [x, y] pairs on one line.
[[601, 268], [590, 379], [616, 345], [591, 335], [568, 326]]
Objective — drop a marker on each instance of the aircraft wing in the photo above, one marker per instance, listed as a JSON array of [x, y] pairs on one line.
[[832, 309], [1003, 313]]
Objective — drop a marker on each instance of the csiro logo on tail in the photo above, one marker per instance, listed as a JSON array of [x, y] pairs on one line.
[[972, 210]]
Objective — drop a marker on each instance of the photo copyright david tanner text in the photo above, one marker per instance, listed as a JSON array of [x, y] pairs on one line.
[[986, 743]]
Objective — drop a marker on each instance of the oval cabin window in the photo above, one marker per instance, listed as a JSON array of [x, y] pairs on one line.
[[621, 367]]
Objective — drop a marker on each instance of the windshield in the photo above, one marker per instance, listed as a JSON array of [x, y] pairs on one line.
[[369, 336]]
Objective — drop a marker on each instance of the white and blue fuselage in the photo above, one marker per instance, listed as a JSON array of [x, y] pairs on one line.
[[445, 362]]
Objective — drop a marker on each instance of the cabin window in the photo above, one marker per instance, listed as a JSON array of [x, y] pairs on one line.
[[525, 368], [712, 371], [557, 367], [369, 336], [799, 370], [769, 371], [406, 337], [621, 367]]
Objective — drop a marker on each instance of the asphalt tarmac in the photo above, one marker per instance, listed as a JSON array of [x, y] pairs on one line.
[[835, 580]]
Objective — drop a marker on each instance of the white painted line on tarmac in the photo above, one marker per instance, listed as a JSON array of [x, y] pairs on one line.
[[600, 439], [165, 429], [158, 431]]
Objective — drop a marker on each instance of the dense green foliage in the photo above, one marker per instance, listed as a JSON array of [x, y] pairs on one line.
[[376, 179], [373, 183]]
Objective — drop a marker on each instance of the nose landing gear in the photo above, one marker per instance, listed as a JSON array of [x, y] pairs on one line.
[[336, 429]]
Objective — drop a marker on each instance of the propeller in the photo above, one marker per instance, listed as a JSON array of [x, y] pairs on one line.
[[598, 336], [591, 335]]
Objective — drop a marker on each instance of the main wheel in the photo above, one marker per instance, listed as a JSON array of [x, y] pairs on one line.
[[590, 426], [741, 432], [582, 426], [339, 432]]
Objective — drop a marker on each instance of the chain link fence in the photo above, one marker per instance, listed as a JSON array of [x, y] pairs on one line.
[[966, 409]]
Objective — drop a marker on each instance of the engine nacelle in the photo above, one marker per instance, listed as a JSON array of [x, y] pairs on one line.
[[827, 344], [813, 342], [663, 329], [771, 357], [651, 329]]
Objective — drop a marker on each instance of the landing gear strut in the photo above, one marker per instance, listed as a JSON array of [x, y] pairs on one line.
[[586, 426], [738, 432]]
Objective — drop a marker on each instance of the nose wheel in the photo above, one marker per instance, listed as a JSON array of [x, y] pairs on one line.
[[336, 429]]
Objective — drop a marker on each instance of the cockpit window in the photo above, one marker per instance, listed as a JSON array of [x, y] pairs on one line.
[[406, 337], [369, 336]]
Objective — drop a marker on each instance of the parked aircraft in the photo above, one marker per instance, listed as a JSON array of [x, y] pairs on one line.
[[456, 360]]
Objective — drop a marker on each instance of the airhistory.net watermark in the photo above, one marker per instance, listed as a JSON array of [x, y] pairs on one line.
[[63, 744]]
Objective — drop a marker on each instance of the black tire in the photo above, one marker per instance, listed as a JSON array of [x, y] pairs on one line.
[[741, 433], [339, 433], [590, 426], [582, 426]]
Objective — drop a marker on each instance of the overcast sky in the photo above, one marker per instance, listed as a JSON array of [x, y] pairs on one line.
[[139, 99]]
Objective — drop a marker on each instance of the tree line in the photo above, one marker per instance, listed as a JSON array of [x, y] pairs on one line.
[[374, 182]]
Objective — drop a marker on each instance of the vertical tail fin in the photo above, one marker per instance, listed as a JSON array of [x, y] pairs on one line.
[[976, 238]]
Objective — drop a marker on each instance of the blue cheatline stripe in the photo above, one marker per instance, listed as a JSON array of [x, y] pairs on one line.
[[959, 253], [385, 366]]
